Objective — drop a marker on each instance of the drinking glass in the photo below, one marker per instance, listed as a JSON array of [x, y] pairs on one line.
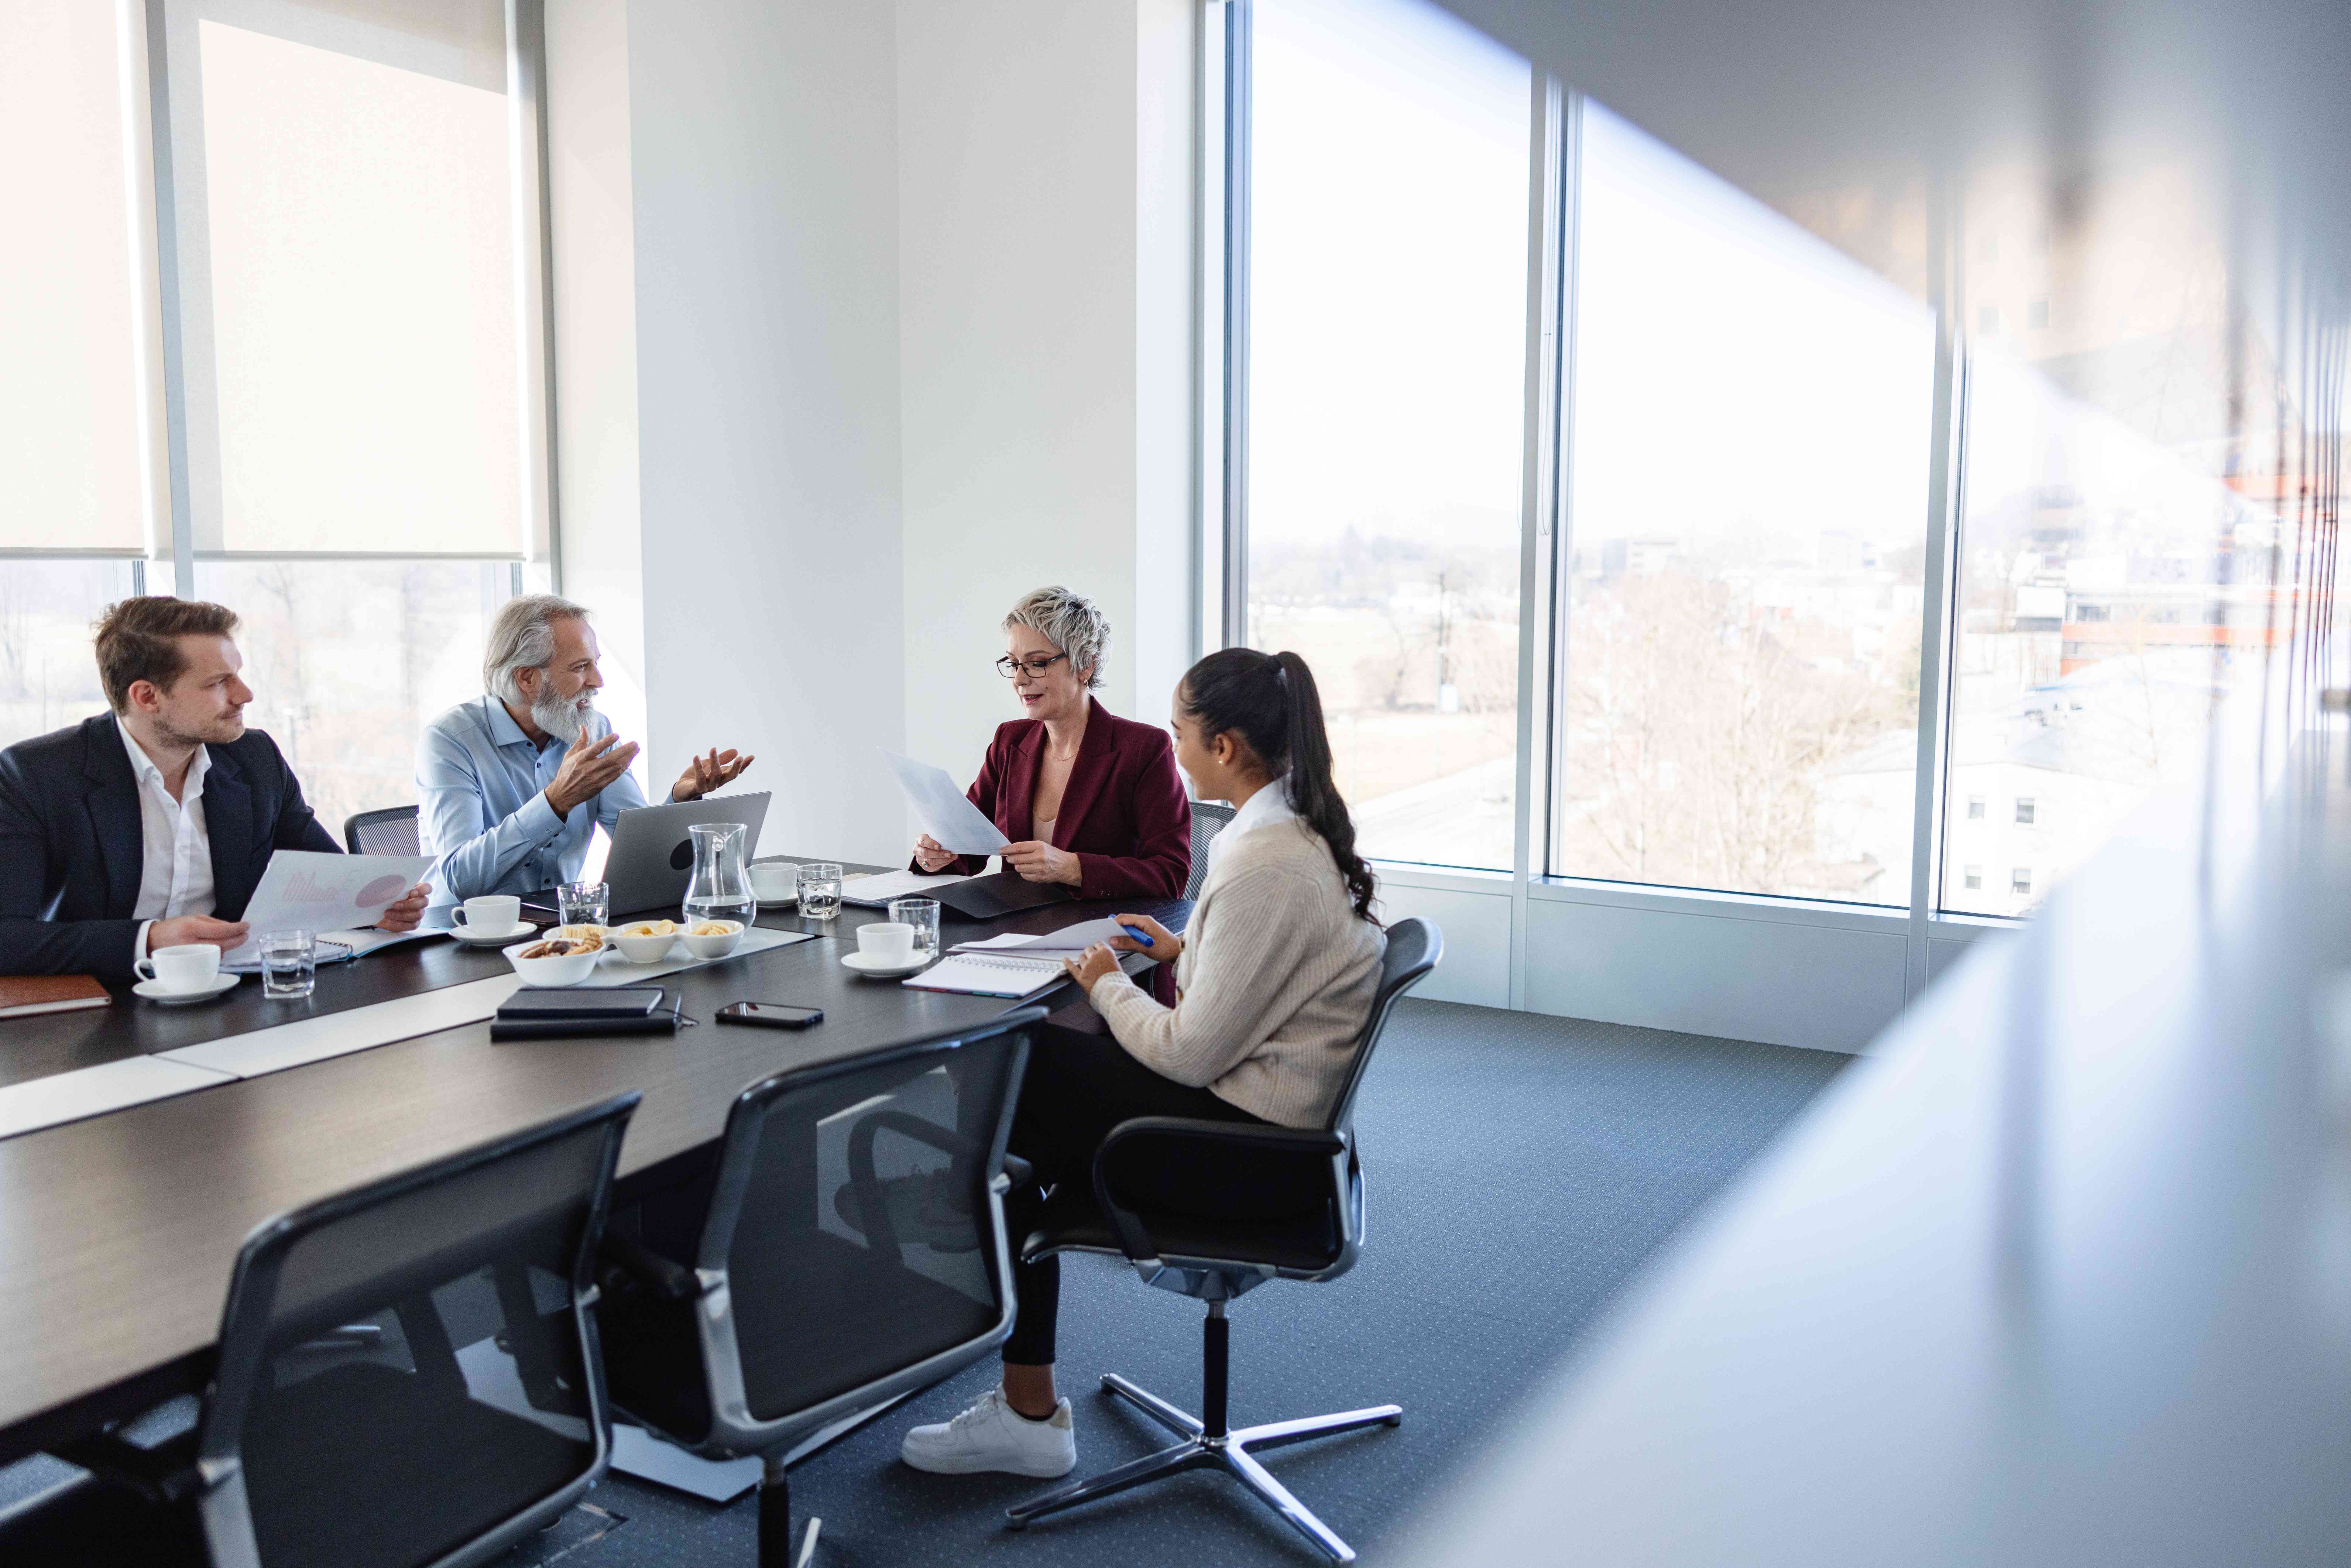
[[289, 965], [922, 914], [820, 890], [584, 903]]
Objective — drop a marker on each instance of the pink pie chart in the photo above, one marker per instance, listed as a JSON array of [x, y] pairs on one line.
[[383, 890]]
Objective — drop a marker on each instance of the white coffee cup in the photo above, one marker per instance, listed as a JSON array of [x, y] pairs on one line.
[[190, 966], [891, 940], [774, 881], [493, 915]]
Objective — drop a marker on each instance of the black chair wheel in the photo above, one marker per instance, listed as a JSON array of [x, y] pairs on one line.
[[1397, 1420], [1014, 1522]]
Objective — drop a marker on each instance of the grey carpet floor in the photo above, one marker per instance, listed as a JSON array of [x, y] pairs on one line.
[[1520, 1171]]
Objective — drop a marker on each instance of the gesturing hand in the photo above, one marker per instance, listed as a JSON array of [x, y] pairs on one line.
[[704, 774], [931, 856], [588, 767], [1090, 965], [404, 915]]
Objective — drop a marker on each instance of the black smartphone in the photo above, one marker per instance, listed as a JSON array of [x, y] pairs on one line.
[[770, 1014]]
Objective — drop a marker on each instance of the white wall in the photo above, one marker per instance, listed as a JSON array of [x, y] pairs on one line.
[[894, 324], [764, 165], [594, 288], [1044, 201]]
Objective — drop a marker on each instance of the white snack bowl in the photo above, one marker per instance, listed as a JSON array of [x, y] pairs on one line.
[[711, 947], [644, 949], [563, 970]]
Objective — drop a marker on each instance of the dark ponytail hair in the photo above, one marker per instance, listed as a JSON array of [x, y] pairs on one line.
[[1268, 701]]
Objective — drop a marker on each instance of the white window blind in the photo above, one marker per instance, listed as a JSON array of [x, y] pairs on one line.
[[354, 323], [72, 318]]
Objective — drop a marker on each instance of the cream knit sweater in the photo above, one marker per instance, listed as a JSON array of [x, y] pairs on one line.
[[1274, 983]]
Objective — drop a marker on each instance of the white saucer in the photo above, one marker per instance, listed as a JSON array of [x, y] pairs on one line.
[[155, 993], [783, 901], [482, 936], [874, 968]]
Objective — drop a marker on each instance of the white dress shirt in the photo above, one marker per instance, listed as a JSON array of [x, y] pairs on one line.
[[175, 862], [1269, 805]]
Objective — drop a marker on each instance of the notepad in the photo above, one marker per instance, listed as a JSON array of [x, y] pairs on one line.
[[979, 975]]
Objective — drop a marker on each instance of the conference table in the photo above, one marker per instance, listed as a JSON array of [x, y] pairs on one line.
[[173, 1131]]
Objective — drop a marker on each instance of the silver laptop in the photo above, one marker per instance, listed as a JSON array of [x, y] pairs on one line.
[[651, 857]]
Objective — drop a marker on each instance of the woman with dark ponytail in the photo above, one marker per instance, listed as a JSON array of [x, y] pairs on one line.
[[1275, 977]]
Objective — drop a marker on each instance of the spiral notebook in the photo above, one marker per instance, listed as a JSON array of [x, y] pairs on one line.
[[987, 974]]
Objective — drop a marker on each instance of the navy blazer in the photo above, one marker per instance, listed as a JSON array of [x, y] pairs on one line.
[[72, 843]]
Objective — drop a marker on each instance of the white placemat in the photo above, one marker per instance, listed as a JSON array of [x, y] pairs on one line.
[[93, 1090], [614, 970]]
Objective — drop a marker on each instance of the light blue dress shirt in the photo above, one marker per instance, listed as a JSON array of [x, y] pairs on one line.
[[481, 788]]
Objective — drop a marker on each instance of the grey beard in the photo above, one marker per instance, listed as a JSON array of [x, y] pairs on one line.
[[561, 718]]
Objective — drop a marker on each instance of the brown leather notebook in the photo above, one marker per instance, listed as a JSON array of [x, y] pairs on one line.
[[21, 995]]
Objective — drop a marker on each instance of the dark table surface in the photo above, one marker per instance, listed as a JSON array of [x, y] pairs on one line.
[[117, 1233]]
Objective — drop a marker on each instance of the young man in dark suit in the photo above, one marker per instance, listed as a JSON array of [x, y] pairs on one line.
[[150, 826]]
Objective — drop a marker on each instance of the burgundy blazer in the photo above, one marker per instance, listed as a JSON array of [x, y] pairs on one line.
[[1124, 814]]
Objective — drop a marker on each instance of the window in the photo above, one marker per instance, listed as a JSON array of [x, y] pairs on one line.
[[347, 660], [1386, 366], [2097, 710], [1733, 613], [75, 361], [1740, 684], [356, 358], [347, 240]]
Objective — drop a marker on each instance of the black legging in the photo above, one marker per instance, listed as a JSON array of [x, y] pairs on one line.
[[1078, 1088]]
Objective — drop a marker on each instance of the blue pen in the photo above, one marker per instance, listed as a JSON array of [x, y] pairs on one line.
[[1139, 935]]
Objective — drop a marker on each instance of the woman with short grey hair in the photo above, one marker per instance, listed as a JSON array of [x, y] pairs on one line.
[[1087, 799]]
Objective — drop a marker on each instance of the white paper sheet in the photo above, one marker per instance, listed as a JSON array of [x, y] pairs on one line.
[[1068, 941], [875, 891], [944, 811], [312, 890]]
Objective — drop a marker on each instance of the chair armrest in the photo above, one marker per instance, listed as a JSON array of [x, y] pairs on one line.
[[861, 1142], [668, 1278], [1133, 1239], [164, 1473]]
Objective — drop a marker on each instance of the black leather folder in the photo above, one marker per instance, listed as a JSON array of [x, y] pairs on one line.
[[1004, 892]]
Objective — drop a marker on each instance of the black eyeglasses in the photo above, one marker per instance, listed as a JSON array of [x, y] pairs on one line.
[[1010, 667]]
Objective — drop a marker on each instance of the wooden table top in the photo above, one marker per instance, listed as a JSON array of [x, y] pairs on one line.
[[117, 1233]]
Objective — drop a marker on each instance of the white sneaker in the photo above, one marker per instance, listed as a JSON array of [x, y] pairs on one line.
[[992, 1436]]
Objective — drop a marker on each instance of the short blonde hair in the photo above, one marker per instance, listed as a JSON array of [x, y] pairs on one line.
[[1071, 623]]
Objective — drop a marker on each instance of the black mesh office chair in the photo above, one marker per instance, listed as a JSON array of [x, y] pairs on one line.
[[813, 1282], [408, 1376], [390, 831], [1209, 819], [1217, 1260]]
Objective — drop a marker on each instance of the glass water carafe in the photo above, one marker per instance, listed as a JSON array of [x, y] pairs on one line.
[[721, 886]]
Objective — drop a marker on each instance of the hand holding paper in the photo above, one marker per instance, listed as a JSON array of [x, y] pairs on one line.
[[944, 811], [309, 891]]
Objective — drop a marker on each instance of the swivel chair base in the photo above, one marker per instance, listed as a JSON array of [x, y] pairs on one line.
[[1221, 1448]]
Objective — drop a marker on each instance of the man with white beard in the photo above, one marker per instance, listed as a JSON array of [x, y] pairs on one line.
[[512, 784]]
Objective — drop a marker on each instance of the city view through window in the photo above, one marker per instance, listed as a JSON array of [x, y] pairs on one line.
[[1387, 363], [1746, 536], [1746, 454]]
